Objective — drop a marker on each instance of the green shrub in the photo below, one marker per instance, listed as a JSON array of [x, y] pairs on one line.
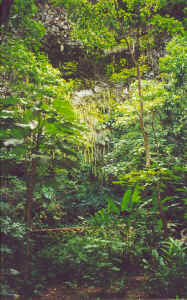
[[166, 272], [11, 252], [94, 257], [104, 251]]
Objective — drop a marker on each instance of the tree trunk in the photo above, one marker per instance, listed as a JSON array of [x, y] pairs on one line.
[[5, 10], [146, 142], [141, 112], [141, 119]]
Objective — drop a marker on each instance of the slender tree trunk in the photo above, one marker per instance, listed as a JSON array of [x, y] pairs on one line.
[[31, 180], [141, 119], [5, 10], [141, 112], [146, 142]]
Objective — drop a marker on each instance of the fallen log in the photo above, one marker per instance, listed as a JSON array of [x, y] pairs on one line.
[[60, 229]]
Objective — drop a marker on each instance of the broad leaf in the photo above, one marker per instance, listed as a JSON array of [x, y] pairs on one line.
[[126, 199]]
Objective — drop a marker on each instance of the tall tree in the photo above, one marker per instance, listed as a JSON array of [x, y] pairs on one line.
[[5, 6], [36, 115]]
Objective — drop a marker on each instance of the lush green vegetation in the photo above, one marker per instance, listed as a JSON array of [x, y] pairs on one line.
[[107, 173]]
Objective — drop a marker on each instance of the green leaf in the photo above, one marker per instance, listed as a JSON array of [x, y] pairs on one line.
[[126, 199], [159, 224], [112, 207], [63, 107], [115, 269], [135, 195], [9, 100], [51, 128]]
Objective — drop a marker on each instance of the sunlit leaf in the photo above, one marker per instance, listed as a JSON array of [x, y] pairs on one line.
[[125, 200], [13, 142]]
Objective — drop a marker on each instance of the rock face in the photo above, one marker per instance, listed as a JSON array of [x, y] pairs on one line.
[[60, 46], [57, 28], [57, 41]]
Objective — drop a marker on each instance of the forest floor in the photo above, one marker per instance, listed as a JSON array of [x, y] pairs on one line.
[[131, 291]]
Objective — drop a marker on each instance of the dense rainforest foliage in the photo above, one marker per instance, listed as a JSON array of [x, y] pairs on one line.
[[92, 145]]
